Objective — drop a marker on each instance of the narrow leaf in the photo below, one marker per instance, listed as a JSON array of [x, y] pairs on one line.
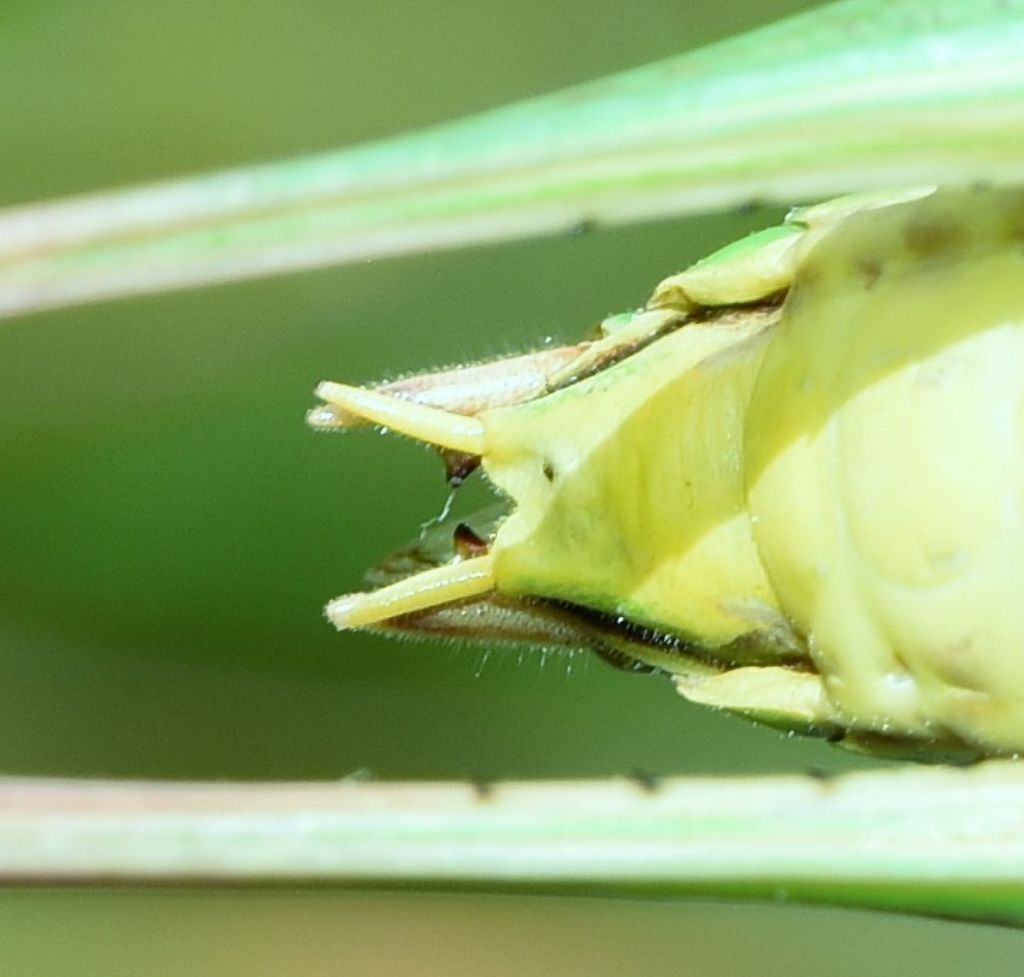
[[934, 841], [855, 95]]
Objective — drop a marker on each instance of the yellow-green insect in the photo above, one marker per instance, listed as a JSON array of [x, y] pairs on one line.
[[794, 482]]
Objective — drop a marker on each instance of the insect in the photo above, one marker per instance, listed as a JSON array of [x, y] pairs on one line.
[[792, 482], [869, 339]]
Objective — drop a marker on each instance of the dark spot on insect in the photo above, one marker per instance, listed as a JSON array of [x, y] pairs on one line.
[[648, 782], [458, 466], [484, 789], [933, 237], [467, 543], [869, 268], [835, 736], [548, 469], [585, 225]]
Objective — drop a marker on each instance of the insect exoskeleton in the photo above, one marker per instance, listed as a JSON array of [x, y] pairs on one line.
[[794, 481]]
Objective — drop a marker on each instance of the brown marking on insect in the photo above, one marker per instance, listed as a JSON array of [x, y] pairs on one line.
[[1012, 218], [928, 236], [458, 466], [467, 543], [869, 269], [548, 469]]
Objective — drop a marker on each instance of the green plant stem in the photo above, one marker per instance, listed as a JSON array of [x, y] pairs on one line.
[[938, 841], [854, 95]]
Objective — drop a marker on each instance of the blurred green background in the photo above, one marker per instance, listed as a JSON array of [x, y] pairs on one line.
[[169, 529]]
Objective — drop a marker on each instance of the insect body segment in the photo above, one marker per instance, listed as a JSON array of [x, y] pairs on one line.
[[794, 483]]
